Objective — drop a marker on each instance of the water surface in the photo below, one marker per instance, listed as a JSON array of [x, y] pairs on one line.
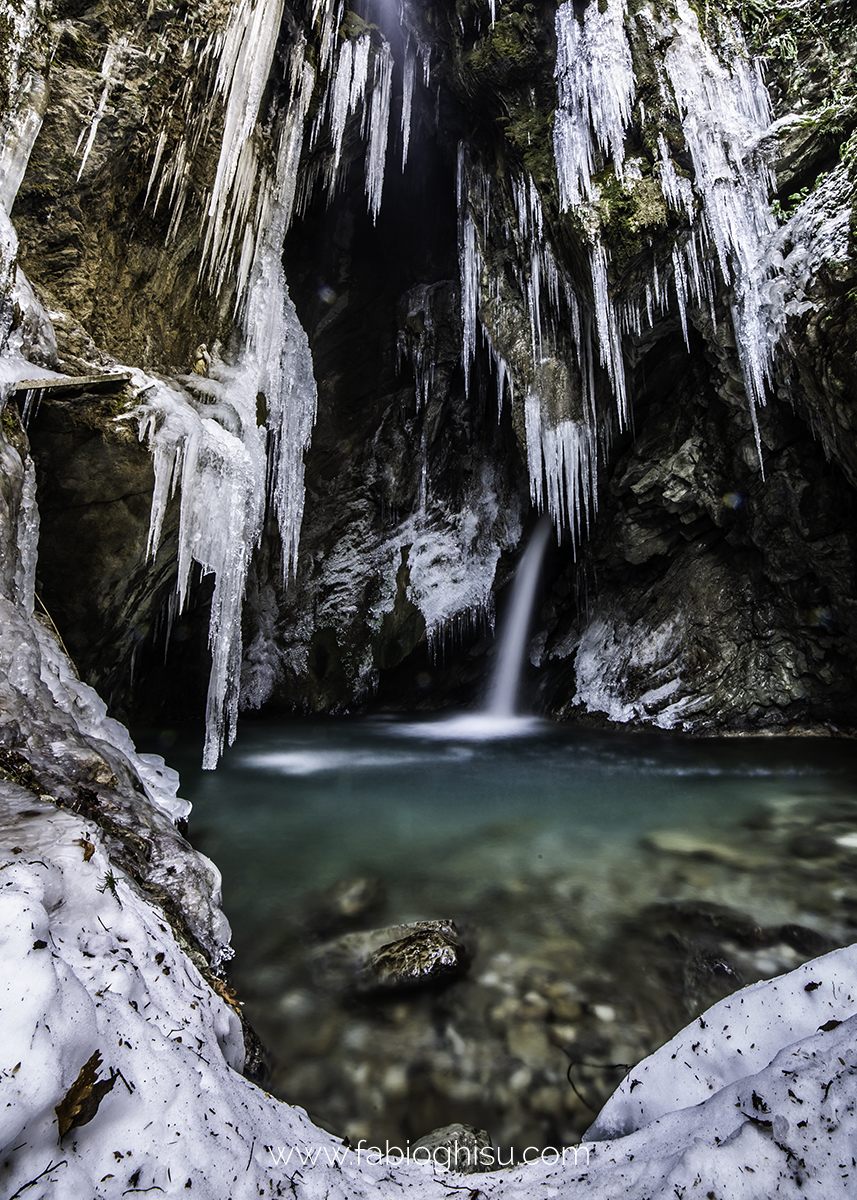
[[440, 809]]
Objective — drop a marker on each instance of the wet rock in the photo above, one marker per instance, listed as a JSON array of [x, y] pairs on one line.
[[690, 845], [461, 1147], [400, 956], [528, 1041], [346, 904], [806, 941]]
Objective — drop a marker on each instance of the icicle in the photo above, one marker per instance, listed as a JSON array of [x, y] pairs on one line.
[[111, 56], [28, 540], [424, 52], [19, 133], [609, 337], [724, 112], [408, 79], [469, 267], [378, 128], [681, 292], [596, 87], [341, 89]]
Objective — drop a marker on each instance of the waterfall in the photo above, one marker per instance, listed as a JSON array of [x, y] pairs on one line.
[[503, 691]]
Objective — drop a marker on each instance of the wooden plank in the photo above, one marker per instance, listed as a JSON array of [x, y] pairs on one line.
[[71, 385]]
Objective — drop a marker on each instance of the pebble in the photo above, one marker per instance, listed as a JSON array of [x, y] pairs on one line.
[[462, 1147]]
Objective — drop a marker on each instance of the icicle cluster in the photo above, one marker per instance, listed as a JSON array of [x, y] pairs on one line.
[[562, 463], [724, 110], [246, 217], [562, 430], [595, 83], [219, 475], [211, 446], [357, 74]]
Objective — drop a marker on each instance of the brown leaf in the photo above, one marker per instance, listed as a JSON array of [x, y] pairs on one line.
[[88, 848], [81, 1101], [225, 992]]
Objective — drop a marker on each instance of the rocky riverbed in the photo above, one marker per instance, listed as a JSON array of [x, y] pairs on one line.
[[568, 980]]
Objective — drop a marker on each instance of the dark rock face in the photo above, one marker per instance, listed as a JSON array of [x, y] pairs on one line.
[[722, 598], [110, 601]]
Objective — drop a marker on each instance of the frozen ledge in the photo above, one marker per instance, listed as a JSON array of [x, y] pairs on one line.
[[757, 1098]]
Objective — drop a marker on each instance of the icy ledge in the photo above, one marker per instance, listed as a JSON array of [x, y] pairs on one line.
[[757, 1098]]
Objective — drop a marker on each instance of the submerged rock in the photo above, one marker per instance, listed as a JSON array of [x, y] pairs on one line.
[[345, 904], [399, 956], [681, 842]]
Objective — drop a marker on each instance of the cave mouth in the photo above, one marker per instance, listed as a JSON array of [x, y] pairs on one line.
[[606, 888]]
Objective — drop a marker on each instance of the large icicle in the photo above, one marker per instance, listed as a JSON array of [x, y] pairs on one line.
[[18, 135], [408, 79], [724, 113], [246, 54], [595, 79], [609, 335], [206, 438], [111, 66], [378, 122], [221, 475]]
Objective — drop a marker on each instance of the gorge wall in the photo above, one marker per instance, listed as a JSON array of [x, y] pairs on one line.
[[574, 296]]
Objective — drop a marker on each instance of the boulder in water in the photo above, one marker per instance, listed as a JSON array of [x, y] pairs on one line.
[[400, 956]]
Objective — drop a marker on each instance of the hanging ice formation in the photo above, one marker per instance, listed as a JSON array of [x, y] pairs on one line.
[[724, 112], [562, 438], [595, 83], [209, 442]]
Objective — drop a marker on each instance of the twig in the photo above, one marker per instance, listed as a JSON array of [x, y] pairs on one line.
[[47, 1170], [41, 604]]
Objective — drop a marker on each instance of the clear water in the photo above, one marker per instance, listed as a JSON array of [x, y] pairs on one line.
[[442, 811]]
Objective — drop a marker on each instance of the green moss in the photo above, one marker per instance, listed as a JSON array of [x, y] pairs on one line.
[[530, 131], [512, 49], [354, 26], [10, 421], [632, 213]]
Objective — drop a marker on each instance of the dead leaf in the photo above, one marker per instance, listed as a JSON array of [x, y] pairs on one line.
[[81, 1101], [88, 848], [225, 992]]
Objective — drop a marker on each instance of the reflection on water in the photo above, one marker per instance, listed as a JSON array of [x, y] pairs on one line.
[[608, 888]]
